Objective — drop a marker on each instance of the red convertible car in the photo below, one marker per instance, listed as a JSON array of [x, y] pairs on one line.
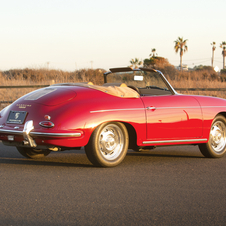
[[134, 109]]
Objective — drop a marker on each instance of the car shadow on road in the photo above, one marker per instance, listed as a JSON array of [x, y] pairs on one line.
[[82, 161], [79, 159], [45, 162], [163, 155], [186, 151]]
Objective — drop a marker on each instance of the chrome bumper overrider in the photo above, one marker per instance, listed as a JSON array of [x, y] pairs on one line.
[[28, 134], [28, 140]]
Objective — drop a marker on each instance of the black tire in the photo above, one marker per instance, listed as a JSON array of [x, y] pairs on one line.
[[33, 153], [108, 144], [216, 146]]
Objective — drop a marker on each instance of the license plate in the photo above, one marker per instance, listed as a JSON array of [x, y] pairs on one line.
[[16, 117], [11, 138]]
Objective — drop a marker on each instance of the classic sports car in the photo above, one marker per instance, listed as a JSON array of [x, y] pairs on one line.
[[134, 108]]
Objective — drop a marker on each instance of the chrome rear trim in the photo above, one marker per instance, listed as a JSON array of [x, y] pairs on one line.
[[56, 134], [11, 131], [39, 134]]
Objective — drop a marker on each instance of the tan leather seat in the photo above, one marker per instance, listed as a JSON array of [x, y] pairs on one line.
[[123, 85]]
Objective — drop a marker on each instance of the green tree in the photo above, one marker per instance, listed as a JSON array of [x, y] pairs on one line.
[[181, 45], [223, 46], [213, 49], [135, 63]]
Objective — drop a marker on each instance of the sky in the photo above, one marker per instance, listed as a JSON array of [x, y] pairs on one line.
[[74, 34]]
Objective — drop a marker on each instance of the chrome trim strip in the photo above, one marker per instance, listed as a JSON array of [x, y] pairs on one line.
[[128, 109], [11, 131], [56, 134], [173, 141], [137, 109], [189, 107], [184, 107], [42, 134], [213, 107], [194, 107]]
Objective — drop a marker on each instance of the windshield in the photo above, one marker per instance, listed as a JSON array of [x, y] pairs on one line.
[[138, 78]]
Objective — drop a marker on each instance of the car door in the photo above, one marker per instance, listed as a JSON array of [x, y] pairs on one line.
[[172, 117]]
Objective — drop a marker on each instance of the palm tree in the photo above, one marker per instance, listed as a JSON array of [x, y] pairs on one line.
[[153, 52], [223, 46], [213, 49], [180, 44], [135, 62]]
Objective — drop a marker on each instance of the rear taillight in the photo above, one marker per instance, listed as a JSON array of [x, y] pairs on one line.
[[46, 124]]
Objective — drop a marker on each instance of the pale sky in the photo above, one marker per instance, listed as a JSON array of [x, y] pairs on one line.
[[74, 34]]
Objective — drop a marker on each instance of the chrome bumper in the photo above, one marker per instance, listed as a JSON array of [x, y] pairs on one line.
[[28, 134]]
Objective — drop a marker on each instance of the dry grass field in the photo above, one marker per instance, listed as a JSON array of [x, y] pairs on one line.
[[200, 84], [42, 77], [193, 79]]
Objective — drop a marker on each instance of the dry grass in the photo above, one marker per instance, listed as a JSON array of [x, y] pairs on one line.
[[194, 79], [200, 84], [42, 77]]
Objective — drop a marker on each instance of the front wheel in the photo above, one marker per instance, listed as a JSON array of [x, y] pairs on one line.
[[108, 144], [216, 146], [33, 153]]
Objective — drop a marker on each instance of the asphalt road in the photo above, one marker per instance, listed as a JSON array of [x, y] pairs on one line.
[[166, 186]]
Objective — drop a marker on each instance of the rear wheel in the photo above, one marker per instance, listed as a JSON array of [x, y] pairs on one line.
[[33, 153], [108, 144], [216, 146]]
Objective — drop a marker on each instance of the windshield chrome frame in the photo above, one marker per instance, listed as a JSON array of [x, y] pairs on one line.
[[125, 69]]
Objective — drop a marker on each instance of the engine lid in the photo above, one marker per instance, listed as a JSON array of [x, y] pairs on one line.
[[51, 95]]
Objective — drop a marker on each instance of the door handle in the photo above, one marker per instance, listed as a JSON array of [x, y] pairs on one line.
[[151, 108]]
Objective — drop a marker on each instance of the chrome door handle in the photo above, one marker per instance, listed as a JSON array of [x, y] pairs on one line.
[[151, 108]]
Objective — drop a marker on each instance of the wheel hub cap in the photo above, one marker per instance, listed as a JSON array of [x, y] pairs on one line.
[[108, 141], [111, 142]]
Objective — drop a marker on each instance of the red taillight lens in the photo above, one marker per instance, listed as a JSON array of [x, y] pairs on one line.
[[46, 124]]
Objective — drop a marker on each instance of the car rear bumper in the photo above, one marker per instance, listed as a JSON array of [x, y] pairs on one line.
[[27, 135], [41, 134]]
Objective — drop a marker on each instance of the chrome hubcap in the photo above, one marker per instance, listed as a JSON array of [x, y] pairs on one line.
[[111, 142], [217, 136]]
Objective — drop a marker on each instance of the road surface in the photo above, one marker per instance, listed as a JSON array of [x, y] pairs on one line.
[[165, 186]]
